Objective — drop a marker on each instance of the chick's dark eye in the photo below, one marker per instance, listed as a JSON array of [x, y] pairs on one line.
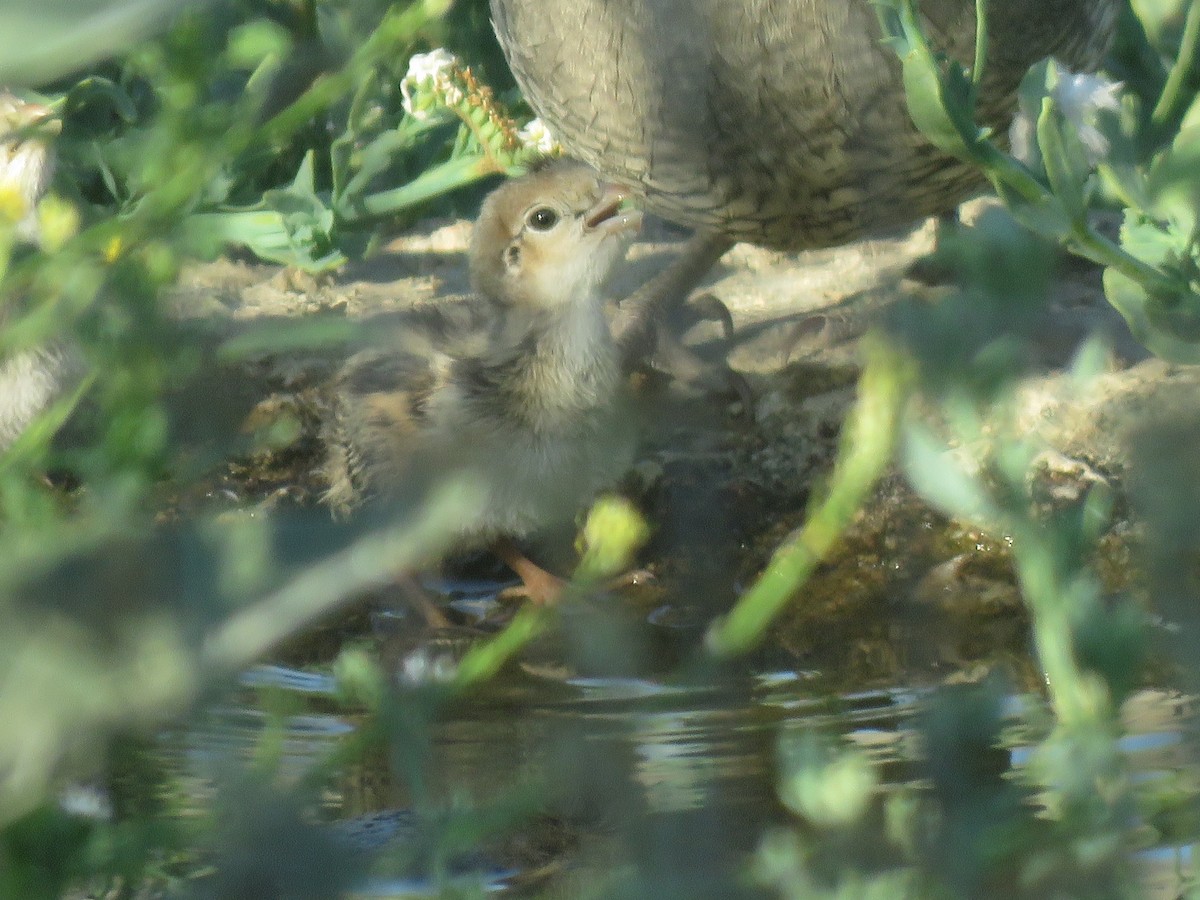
[[542, 219]]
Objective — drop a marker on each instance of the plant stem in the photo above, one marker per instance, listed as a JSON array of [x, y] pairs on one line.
[[249, 633], [981, 41], [869, 439], [484, 660], [454, 173], [1174, 100], [394, 31]]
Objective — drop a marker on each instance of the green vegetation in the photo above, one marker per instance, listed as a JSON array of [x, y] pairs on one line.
[[295, 131]]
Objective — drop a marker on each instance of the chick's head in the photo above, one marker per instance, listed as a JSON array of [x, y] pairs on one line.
[[550, 238]]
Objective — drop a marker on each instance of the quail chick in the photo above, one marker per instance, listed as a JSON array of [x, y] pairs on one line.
[[779, 122], [517, 386], [26, 157], [30, 379]]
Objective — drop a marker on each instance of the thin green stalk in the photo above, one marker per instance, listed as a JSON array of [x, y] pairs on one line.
[[612, 535], [484, 660], [250, 633], [1010, 173], [396, 28], [1075, 696], [1007, 173], [431, 183], [1174, 100], [981, 42], [1090, 244], [49, 423], [870, 438]]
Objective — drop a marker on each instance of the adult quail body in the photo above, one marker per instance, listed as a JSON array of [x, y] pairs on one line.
[[517, 386], [780, 122]]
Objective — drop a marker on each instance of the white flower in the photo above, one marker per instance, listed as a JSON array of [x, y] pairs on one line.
[[1081, 97], [450, 93], [430, 71], [433, 64], [536, 136]]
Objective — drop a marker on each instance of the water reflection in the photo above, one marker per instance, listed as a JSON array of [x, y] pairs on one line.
[[676, 781]]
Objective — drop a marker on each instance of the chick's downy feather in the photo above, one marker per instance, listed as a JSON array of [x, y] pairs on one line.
[[516, 387]]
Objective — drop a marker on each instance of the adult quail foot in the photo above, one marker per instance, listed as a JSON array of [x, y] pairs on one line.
[[517, 387], [32, 378], [779, 122]]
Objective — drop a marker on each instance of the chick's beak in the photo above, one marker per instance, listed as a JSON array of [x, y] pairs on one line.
[[608, 215]]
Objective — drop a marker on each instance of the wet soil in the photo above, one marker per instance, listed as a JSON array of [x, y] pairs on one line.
[[907, 590]]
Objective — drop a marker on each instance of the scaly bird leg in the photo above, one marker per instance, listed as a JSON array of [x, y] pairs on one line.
[[639, 326], [421, 603], [641, 313]]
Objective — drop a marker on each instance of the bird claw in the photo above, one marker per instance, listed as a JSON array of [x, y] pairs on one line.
[[550, 591], [685, 366], [708, 307]]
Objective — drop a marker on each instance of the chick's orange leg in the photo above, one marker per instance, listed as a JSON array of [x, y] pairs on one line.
[[540, 586], [545, 588], [421, 603]]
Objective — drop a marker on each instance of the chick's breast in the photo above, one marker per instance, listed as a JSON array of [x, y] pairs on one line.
[[401, 419]]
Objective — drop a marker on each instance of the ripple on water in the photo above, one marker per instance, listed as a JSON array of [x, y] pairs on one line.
[[685, 756]]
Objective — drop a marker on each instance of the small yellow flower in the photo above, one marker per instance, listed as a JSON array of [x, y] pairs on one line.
[[113, 249], [12, 204], [612, 534], [57, 221]]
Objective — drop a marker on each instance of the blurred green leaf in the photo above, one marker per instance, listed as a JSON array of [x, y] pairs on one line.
[[1066, 165], [254, 42], [1173, 187], [830, 786], [940, 477], [45, 39]]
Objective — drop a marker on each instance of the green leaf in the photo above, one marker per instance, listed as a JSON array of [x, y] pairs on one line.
[[940, 478], [1169, 330], [250, 44], [1047, 216], [1173, 182], [940, 105], [288, 337], [101, 91], [940, 96], [1066, 166], [41, 40]]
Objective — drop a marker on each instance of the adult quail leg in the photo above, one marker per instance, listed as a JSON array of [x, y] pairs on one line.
[[931, 269], [640, 324]]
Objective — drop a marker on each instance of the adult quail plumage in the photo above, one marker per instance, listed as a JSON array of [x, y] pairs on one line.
[[517, 386], [779, 122]]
